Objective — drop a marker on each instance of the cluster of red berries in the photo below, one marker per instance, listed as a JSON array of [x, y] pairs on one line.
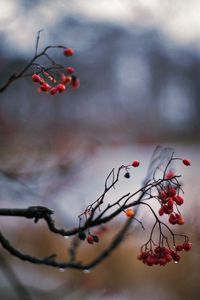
[[185, 246], [169, 199], [50, 85], [162, 255]]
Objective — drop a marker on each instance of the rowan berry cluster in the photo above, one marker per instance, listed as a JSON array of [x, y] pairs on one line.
[[54, 84], [162, 255], [169, 199]]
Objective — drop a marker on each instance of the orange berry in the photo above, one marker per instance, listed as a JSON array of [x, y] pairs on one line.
[[180, 220], [130, 212]]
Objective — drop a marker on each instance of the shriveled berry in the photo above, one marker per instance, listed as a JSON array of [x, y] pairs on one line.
[[135, 163], [82, 235], [127, 175], [95, 238]]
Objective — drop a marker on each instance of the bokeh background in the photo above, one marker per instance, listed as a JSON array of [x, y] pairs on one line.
[[139, 64]]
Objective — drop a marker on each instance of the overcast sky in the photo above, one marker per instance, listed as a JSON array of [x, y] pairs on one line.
[[178, 19]]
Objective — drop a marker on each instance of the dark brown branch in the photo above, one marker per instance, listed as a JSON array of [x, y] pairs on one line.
[[50, 261]]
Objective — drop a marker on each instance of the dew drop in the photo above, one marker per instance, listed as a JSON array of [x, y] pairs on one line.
[[62, 270], [86, 271], [66, 237], [176, 262]]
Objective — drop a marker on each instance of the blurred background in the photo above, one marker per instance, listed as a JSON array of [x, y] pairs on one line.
[[139, 64]]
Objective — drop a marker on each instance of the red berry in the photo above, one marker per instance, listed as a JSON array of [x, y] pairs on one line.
[[135, 163], [170, 203], [60, 88], [162, 261], [69, 52], [76, 83], [150, 260], [44, 87], [170, 175], [36, 78], [172, 219], [167, 210], [161, 211], [186, 162], [187, 246], [180, 220], [65, 79], [178, 199], [179, 247], [90, 239], [168, 257], [70, 70], [53, 91], [176, 257], [172, 192], [143, 255], [162, 195]]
